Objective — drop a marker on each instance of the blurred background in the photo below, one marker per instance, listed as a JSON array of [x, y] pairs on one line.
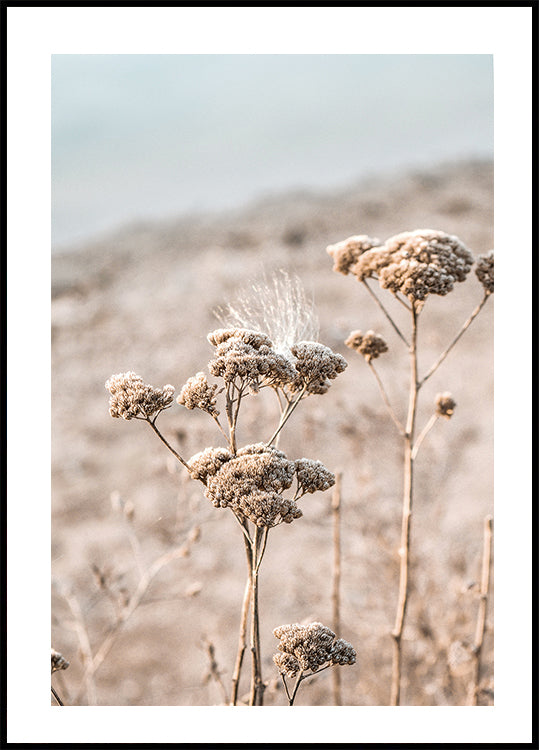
[[138, 137], [177, 181]]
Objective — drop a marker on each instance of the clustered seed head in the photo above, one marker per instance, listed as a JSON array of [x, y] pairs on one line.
[[309, 647], [197, 393], [346, 253], [315, 365], [313, 476], [251, 483], [418, 263], [445, 405], [249, 356], [208, 462], [370, 345], [58, 661], [131, 397], [484, 270]]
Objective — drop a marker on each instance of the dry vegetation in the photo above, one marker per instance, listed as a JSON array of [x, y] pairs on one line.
[[149, 577]]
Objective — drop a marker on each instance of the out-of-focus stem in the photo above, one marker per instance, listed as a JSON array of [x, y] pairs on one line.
[[444, 354], [336, 592], [404, 550], [424, 432], [388, 316], [482, 613], [392, 414]]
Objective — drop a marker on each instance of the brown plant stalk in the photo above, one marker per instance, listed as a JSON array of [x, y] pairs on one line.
[[482, 612]]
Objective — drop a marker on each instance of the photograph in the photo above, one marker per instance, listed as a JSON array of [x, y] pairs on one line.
[[282, 458]]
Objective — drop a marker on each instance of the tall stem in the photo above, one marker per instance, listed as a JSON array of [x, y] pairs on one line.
[[242, 639], [482, 613], [404, 550], [336, 593], [256, 695]]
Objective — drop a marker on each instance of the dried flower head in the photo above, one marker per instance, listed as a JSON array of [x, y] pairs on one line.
[[417, 263], [208, 462], [310, 647], [313, 476], [58, 661], [197, 393], [484, 270], [370, 345], [346, 253], [248, 357], [445, 405], [315, 365], [132, 398]]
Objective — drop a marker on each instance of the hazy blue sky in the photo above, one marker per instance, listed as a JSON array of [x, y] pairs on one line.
[[149, 136]]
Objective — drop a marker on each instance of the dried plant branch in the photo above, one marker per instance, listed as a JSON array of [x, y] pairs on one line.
[[385, 398], [424, 432], [482, 612], [242, 645], [336, 583], [161, 437], [214, 671], [446, 351], [57, 697], [404, 550], [388, 316], [287, 414]]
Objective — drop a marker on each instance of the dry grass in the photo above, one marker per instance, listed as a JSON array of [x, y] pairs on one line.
[[145, 302]]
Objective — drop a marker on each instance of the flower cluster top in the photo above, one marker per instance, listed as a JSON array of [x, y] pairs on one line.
[[251, 482], [310, 647], [418, 263], [132, 398], [246, 356]]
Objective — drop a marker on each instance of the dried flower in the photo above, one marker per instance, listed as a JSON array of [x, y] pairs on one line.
[[417, 263], [347, 252], [197, 393], [58, 661], [315, 365], [310, 647], [131, 398], [248, 356], [313, 476], [208, 462], [370, 345], [484, 270], [445, 405], [251, 484]]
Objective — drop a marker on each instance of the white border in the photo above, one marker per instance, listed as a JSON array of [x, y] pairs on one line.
[[33, 34]]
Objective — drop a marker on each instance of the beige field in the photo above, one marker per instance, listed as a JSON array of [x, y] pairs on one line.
[[143, 300]]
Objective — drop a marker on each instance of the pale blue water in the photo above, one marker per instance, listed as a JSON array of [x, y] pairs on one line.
[[139, 137]]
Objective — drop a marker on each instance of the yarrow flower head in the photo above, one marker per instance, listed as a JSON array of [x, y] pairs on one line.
[[445, 405], [370, 345], [417, 263], [248, 356], [251, 483], [58, 662], [197, 393], [315, 366], [484, 270], [309, 647], [346, 253], [132, 398]]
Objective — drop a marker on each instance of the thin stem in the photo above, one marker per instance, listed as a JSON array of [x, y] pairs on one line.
[[404, 550], [257, 686], [424, 432], [444, 354], [165, 441], [219, 425], [392, 414], [287, 413], [242, 641], [295, 690], [58, 699], [482, 613], [383, 309], [336, 593]]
